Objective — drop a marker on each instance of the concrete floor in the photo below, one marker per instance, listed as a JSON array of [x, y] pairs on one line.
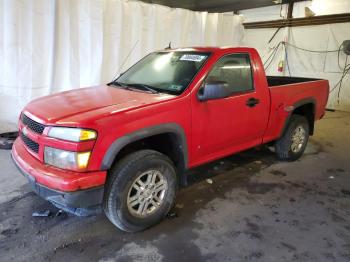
[[256, 209]]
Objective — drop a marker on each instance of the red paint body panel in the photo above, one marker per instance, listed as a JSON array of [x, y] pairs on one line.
[[213, 129], [234, 126], [288, 95]]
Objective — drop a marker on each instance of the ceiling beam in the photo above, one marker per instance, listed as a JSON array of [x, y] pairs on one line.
[[237, 5], [217, 5], [304, 21]]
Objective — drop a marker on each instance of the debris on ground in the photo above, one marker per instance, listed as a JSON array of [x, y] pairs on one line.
[[345, 191], [66, 245], [9, 232], [258, 162], [209, 181], [335, 170], [58, 213], [172, 215], [44, 213], [331, 177], [179, 205], [271, 148], [277, 173]]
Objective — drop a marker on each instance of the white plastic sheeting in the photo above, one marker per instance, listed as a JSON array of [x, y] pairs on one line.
[[275, 12], [319, 38], [308, 64], [322, 7], [48, 46]]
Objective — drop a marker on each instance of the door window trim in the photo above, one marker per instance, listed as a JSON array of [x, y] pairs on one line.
[[253, 90]]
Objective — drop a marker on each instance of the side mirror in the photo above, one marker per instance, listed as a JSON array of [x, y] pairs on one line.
[[213, 90]]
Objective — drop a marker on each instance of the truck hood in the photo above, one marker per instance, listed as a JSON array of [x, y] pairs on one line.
[[53, 108]]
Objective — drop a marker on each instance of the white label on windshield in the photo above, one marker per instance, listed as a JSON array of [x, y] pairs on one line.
[[191, 57], [176, 87]]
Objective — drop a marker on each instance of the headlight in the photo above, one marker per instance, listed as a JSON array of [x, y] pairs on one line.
[[72, 134], [75, 161]]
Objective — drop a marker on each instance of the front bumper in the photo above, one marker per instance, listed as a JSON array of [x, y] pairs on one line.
[[68, 190]]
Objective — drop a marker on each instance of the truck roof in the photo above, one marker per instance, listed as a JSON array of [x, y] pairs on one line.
[[213, 49]]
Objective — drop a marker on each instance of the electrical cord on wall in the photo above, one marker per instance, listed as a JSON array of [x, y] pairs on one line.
[[312, 51], [339, 49], [285, 49], [300, 48], [272, 56], [340, 82], [345, 69]]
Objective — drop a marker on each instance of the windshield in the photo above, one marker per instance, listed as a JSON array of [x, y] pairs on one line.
[[168, 72]]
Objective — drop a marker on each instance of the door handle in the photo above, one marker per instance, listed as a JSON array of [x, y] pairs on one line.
[[251, 102]]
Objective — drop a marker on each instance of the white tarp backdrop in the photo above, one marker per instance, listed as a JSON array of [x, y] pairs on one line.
[[308, 64], [319, 38], [48, 46]]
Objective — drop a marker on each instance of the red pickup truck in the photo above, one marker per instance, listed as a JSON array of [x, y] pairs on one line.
[[123, 147]]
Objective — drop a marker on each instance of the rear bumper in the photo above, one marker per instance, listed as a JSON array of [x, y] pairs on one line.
[[65, 189]]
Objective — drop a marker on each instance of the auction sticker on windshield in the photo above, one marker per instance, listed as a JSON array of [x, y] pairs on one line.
[[192, 57]]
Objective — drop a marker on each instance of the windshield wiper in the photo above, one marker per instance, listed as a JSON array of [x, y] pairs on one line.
[[116, 83], [136, 86], [144, 86]]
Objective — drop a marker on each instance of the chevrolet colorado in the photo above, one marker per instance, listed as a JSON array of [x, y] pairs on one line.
[[123, 147]]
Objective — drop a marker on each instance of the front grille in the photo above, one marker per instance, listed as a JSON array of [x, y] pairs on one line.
[[32, 125], [34, 146]]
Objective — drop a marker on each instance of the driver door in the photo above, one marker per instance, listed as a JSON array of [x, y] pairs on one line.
[[223, 126]]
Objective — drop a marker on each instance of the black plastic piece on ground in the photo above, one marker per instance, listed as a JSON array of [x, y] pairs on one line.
[[7, 139], [80, 212]]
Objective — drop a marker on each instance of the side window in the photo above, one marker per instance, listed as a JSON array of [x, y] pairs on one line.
[[235, 70]]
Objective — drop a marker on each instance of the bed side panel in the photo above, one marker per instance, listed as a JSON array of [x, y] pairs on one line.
[[284, 99]]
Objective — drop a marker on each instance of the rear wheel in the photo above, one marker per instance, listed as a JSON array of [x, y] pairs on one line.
[[293, 142], [140, 190]]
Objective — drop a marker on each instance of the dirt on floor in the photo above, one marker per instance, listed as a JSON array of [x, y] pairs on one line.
[[246, 207]]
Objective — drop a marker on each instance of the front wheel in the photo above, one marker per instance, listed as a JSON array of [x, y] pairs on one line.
[[140, 190], [291, 145]]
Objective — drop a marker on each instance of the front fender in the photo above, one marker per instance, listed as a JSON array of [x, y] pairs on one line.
[[121, 142]]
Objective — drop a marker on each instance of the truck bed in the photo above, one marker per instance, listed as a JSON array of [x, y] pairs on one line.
[[285, 80], [288, 92]]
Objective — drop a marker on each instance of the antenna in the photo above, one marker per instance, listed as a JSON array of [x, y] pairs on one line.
[[126, 59], [169, 46]]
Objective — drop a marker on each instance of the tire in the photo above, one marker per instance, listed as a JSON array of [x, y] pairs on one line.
[[121, 189], [285, 148]]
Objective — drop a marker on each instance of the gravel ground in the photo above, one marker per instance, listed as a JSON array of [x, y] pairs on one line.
[[246, 207]]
